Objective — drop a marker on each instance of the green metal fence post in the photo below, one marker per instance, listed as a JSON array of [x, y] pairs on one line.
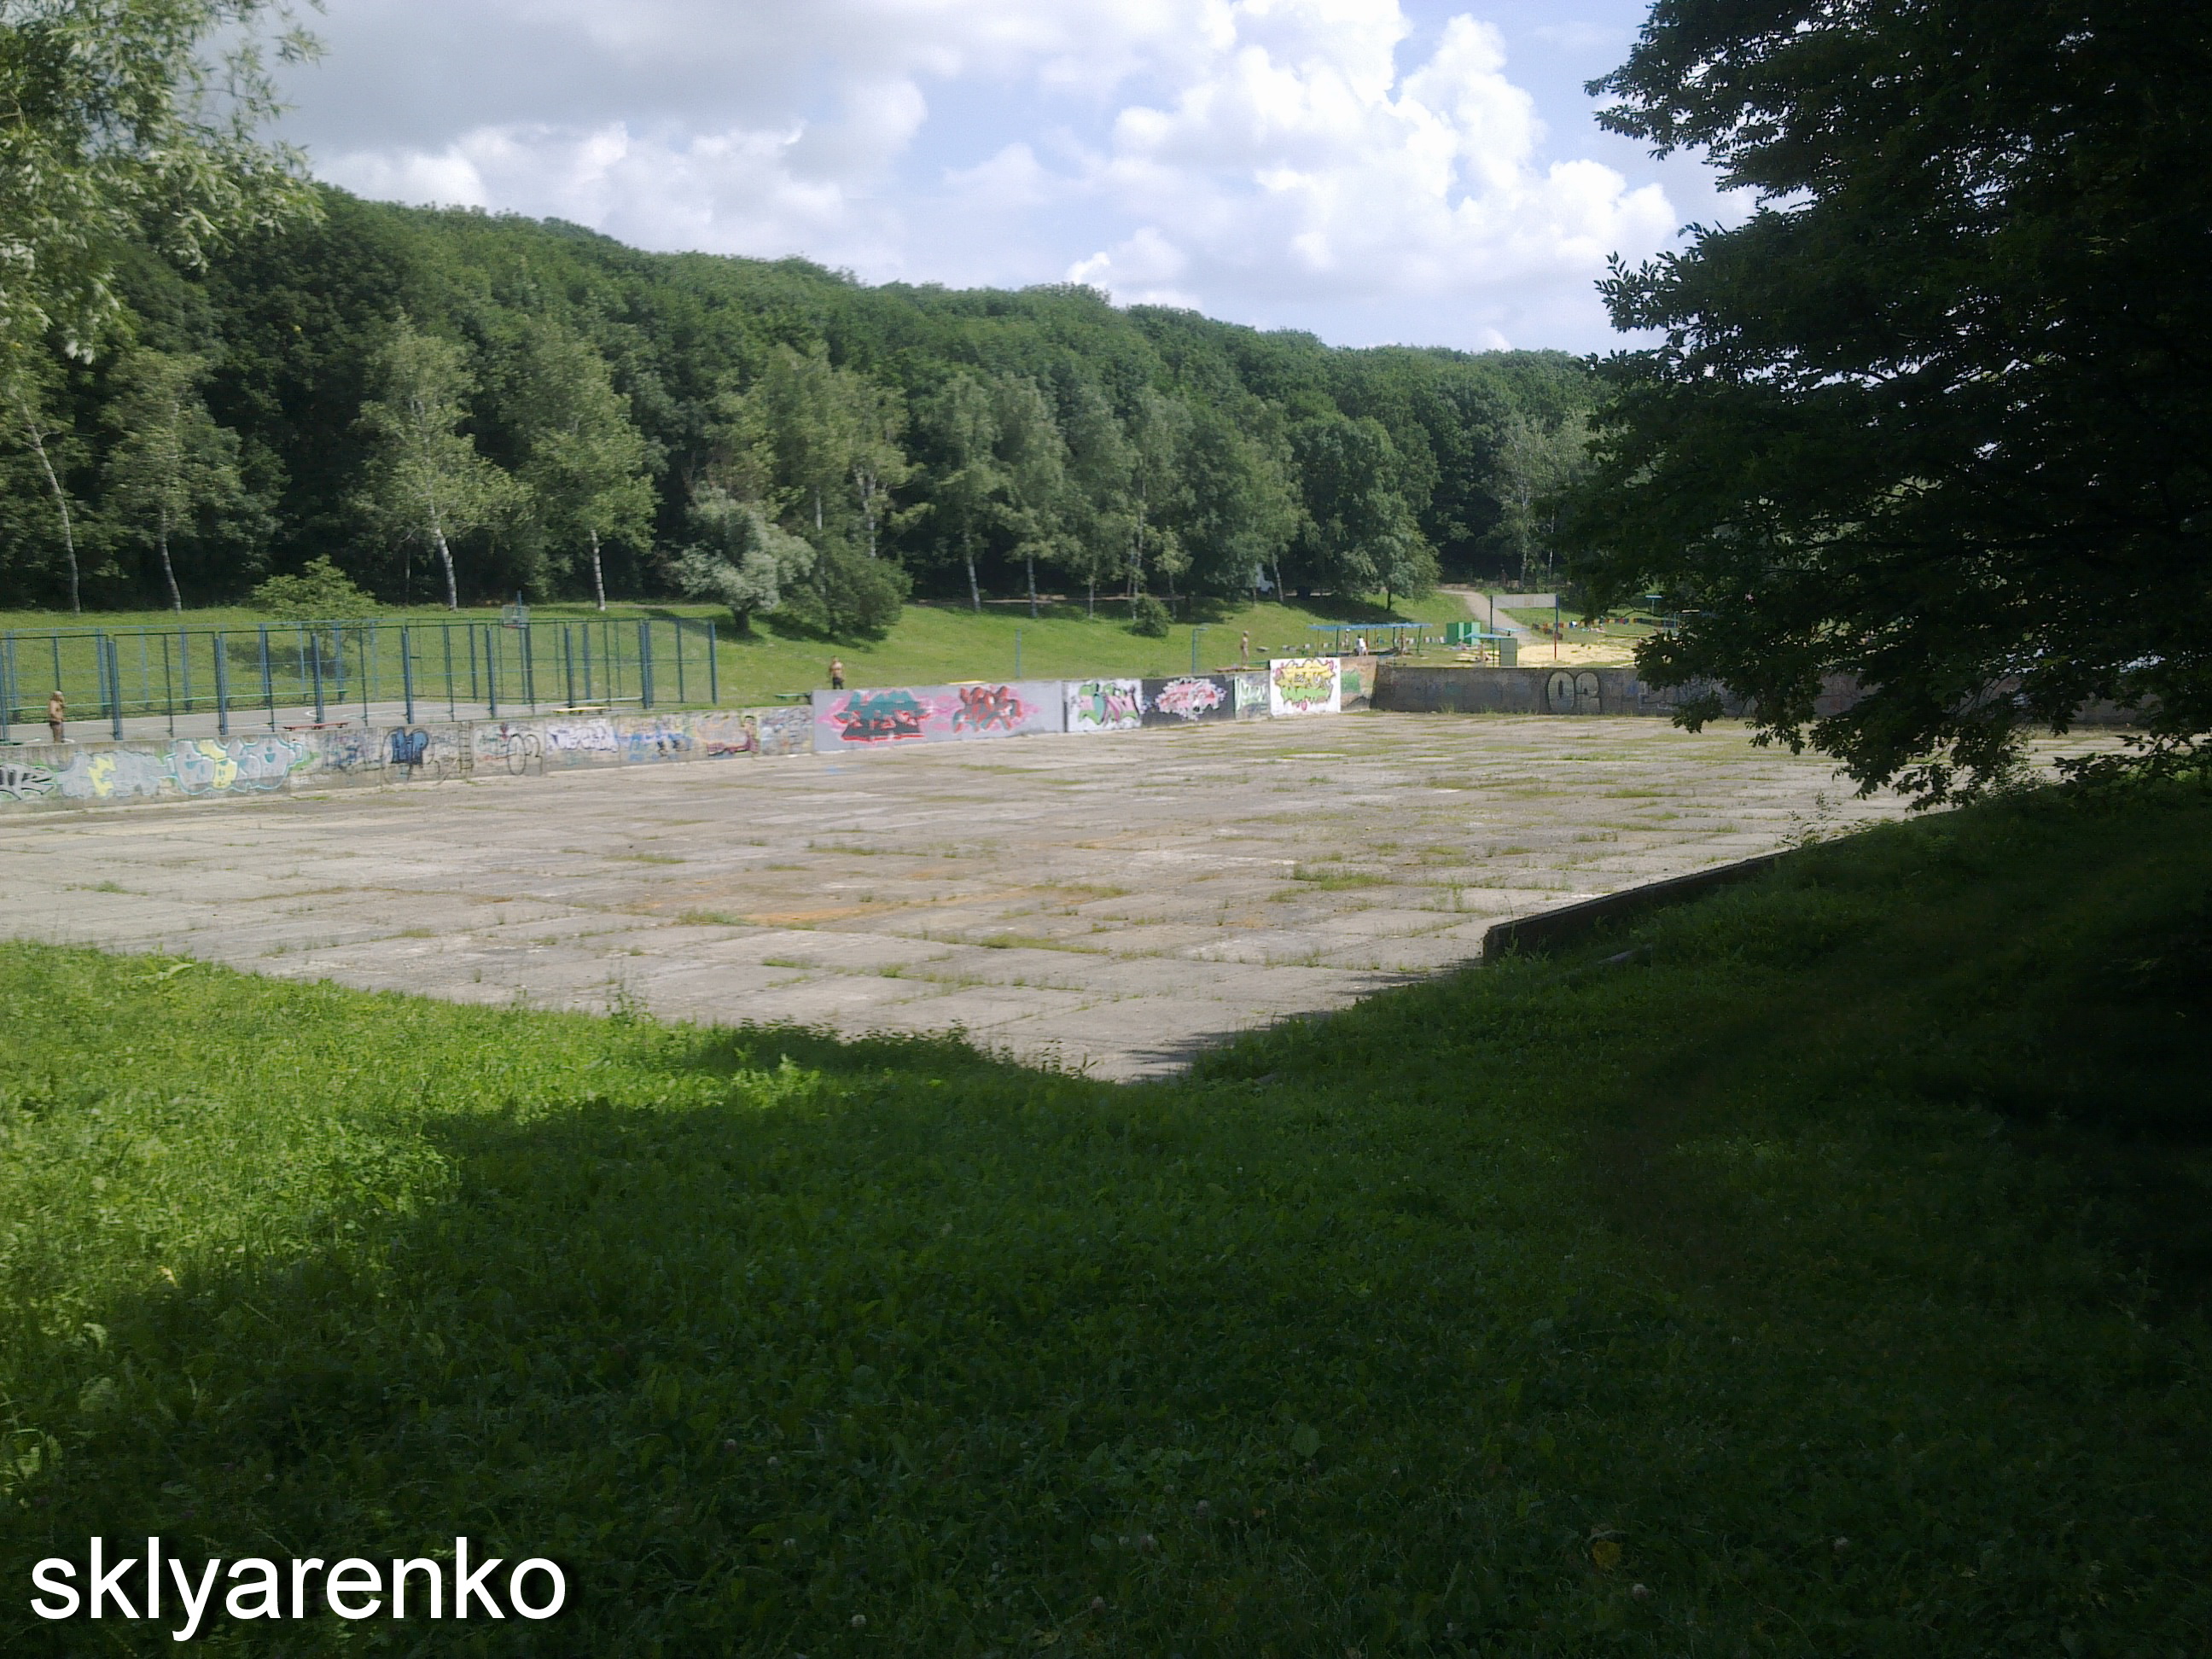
[[113, 658], [315, 661], [268, 678], [361, 652], [446, 629], [568, 665], [714, 671], [169, 687], [185, 651], [529, 668], [491, 671], [680, 698], [645, 663], [587, 664], [222, 689]]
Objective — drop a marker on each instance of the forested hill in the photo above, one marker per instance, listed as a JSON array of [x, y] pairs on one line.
[[801, 436]]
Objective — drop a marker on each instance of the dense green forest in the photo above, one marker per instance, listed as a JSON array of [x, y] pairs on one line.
[[452, 403]]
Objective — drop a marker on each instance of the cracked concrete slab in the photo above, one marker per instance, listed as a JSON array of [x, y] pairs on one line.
[[1115, 903]]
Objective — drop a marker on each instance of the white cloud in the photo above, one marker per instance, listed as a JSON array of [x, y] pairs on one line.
[[1290, 161], [1303, 167]]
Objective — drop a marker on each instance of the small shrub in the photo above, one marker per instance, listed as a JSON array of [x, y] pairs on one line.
[[321, 591], [1148, 617]]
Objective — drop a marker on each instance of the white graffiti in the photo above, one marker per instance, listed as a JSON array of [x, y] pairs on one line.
[[590, 737], [25, 782]]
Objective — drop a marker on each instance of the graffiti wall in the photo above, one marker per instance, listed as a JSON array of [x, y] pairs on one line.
[[785, 731], [1105, 705], [1252, 695], [1189, 699], [1355, 681], [1303, 685], [25, 782], [184, 767], [886, 717]]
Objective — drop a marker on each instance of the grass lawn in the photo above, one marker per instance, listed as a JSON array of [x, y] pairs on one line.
[[1833, 1283], [931, 644]]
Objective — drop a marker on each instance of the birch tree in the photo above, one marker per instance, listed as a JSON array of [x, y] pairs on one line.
[[587, 466], [427, 482], [50, 442], [171, 463]]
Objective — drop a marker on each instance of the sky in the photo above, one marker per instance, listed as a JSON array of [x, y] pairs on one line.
[[1372, 171]]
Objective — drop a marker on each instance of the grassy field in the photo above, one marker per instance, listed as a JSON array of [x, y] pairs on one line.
[[1832, 1283], [931, 644]]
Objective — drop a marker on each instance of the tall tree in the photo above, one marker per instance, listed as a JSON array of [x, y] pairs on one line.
[[26, 394], [816, 449], [427, 482], [1240, 510], [126, 120], [966, 485], [1033, 473], [1358, 534], [1158, 427], [1932, 415], [171, 464], [1097, 514], [585, 464], [1534, 463]]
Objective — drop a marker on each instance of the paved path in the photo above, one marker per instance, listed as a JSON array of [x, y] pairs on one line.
[[1485, 611], [1114, 902]]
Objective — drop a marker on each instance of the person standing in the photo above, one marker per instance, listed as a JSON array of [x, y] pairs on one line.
[[1244, 646], [836, 673], [56, 713]]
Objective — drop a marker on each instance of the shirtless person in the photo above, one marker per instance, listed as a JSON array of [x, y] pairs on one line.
[[836, 673], [56, 712]]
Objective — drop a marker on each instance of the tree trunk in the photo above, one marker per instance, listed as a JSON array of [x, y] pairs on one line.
[[1090, 604], [599, 577], [974, 592], [445, 556], [864, 487], [61, 502], [168, 570], [1029, 560]]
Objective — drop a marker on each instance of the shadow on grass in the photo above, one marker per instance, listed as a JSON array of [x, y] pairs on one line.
[[2043, 966], [760, 1333], [827, 1338]]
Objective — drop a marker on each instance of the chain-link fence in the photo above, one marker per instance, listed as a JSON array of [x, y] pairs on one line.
[[304, 674]]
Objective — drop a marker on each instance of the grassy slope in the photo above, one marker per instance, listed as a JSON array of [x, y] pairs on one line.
[[1874, 1210], [930, 645]]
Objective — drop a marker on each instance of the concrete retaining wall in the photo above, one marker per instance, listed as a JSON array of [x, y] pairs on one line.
[[1541, 689], [341, 757], [337, 757]]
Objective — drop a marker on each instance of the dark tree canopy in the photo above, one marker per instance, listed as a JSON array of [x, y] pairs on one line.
[[290, 321], [1939, 414]]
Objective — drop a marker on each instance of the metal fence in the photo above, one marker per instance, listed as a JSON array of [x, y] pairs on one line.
[[317, 672]]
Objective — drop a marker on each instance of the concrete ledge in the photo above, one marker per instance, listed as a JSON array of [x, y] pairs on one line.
[[1549, 928]]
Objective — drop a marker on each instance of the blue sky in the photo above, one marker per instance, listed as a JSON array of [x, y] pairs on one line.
[[1373, 171]]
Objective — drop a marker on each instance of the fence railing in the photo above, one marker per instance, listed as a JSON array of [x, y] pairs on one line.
[[321, 671]]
